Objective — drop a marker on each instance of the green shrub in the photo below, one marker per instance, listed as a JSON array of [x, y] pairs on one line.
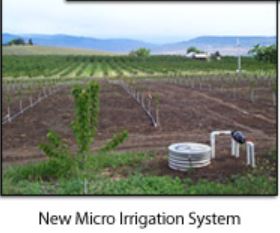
[[265, 53]]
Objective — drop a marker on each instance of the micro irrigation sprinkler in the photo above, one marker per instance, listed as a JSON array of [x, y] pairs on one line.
[[187, 155]]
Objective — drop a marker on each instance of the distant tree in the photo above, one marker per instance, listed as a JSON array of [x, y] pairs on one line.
[[264, 53], [141, 52], [17, 41], [193, 49], [217, 54], [132, 53], [30, 42]]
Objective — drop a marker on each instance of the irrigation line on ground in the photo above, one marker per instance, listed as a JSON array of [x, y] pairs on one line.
[[9, 118], [232, 92], [140, 99]]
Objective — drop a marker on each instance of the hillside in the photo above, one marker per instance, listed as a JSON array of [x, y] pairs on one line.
[[225, 44], [66, 41], [44, 50]]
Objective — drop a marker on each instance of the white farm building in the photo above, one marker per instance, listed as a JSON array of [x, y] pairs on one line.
[[198, 56]]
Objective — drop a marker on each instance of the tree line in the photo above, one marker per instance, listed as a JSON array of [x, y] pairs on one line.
[[20, 41]]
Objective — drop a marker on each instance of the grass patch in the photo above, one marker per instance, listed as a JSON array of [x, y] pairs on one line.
[[35, 179], [240, 185], [140, 185], [47, 170]]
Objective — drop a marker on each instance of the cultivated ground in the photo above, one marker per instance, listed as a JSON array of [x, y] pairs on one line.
[[186, 114]]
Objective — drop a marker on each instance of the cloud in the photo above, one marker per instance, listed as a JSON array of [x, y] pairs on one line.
[[139, 20]]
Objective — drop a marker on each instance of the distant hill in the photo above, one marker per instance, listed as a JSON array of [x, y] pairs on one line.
[[112, 45], [44, 50], [6, 37], [225, 44]]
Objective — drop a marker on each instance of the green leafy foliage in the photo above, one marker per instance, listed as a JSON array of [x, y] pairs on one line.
[[47, 170], [17, 41], [46, 178], [116, 140], [141, 52], [118, 66], [56, 148], [139, 184], [22, 187], [62, 163], [265, 53], [193, 49], [114, 160], [240, 185], [86, 115], [93, 92], [18, 180]]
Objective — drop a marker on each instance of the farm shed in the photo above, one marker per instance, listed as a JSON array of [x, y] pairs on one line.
[[198, 56]]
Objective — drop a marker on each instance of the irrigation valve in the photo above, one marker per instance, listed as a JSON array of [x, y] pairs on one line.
[[237, 139]]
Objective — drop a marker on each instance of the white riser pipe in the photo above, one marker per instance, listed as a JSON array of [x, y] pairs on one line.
[[250, 154], [237, 150], [233, 147]]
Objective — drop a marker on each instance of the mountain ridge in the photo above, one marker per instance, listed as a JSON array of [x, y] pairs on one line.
[[225, 44]]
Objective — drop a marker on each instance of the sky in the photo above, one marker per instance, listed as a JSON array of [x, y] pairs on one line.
[[156, 22]]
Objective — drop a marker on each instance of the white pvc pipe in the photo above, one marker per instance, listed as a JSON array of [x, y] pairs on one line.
[[233, 142], [237, 149], [250, 152], [212, 142], [253, 161]]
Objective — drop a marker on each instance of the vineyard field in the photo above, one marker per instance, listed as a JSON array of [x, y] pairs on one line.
[[158, 100], [124, 66]]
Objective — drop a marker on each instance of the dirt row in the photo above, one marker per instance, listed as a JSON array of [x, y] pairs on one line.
[[117, 112], [185, 115]]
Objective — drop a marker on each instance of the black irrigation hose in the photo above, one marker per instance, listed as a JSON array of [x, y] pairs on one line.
[[137, 96], [7, 118]]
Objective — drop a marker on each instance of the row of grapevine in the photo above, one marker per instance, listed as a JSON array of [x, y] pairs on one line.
[[111, 66]]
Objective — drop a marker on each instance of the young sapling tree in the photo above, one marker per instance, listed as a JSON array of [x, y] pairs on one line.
[[84, 127]]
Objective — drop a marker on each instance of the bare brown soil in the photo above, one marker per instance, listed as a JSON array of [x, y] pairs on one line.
[[185, 115]]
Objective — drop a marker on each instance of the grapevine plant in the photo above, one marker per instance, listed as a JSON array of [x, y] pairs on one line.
[[84, 126]]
